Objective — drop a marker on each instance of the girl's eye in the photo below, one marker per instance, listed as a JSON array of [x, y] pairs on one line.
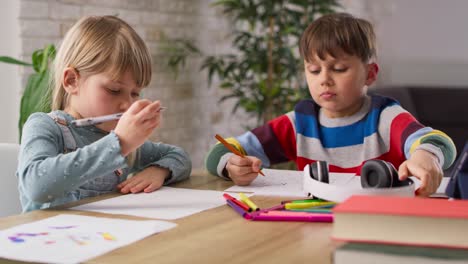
[[136, 95], [113, 91]]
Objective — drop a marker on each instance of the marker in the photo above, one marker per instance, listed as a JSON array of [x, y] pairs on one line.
[[292, 216], [239, 203], [314, 210], [236, 208], [276, 207], [246, 200], [101, 119], [306, 205], [303, 201]]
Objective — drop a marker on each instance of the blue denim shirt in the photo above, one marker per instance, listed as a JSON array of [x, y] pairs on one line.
[[49, 176]]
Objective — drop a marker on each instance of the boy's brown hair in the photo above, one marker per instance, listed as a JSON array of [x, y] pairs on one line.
[[338, 32]]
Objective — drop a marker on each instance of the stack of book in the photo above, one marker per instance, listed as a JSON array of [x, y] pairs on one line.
[[401, 230]]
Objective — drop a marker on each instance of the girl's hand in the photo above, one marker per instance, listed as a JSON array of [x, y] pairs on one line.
[[424, 166], [137, 124], [148, 180], [243, 171]]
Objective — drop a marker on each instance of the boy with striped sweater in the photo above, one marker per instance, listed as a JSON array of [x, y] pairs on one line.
[[342, 124]]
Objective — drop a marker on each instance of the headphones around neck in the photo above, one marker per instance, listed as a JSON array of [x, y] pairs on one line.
[[374, 174]]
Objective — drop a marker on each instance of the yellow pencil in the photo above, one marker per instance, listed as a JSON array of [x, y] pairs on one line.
[[232, 149], [306, 205], [248, 202]]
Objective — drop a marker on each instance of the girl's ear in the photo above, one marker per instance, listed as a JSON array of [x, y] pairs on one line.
[[70, 80], [372, 71]]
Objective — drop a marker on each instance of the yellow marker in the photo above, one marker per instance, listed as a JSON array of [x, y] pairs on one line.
[[306, 205], [248, 202]]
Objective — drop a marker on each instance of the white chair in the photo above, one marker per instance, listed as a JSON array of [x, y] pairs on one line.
[[9, 195]]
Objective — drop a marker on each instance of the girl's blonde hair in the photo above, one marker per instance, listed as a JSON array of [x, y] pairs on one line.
[[99, 44]]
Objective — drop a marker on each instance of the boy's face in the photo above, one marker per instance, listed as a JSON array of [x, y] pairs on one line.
[[98, 95], [339, 84]]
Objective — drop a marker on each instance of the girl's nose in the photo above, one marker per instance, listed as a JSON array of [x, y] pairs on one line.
[[125, 104]]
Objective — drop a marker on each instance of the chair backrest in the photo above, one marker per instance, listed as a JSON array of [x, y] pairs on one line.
[[9, 195]]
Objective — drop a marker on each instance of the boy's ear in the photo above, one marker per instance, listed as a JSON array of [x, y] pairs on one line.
[[70, 80], [372, 71]]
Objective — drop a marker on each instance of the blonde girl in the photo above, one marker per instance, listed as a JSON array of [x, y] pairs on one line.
[[100, 69]]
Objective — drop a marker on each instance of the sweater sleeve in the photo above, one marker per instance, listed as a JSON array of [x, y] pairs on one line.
[[45, 173], [407, 135], [272, 143], [434, 141], [166, 156]]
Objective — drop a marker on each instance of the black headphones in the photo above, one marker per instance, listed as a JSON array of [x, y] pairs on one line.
[[374, 174]]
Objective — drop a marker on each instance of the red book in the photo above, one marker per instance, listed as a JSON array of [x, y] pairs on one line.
[[402, 220]]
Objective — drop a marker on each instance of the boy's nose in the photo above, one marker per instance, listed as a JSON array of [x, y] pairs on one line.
[[325, 79]]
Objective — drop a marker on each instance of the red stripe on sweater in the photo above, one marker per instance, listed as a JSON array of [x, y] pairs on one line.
[[301, 162], [285, 133], [398, 135]]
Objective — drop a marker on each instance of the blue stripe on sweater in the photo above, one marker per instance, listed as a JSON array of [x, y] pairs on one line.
[[253, 147], [333, 137]]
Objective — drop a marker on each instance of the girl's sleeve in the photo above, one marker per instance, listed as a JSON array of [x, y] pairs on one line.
[[166, 156], [272, 143], [45, 173]]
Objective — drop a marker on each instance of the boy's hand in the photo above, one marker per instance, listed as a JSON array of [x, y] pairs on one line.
[[148, 180], [243, 171], [424, 166], [137, 124]]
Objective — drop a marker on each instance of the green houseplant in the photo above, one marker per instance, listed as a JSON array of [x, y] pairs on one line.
[[264, 73], [36, 95]]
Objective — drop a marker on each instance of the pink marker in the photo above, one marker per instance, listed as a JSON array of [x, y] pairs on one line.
[[292, 216]]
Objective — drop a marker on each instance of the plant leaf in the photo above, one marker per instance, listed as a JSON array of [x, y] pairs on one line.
[[35, 97], [11, 60]]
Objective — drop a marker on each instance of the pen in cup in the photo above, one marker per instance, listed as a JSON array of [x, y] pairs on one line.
[[101, 119]]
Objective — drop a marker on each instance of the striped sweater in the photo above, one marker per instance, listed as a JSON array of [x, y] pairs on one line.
[[381, 129]]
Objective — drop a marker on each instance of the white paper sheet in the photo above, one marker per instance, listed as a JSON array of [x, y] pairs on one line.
[[73, 238], [290, 183], [165, 203], [440, 190], [275, 183]]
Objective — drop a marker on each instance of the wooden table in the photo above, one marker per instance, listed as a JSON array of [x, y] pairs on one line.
[[217, 235]]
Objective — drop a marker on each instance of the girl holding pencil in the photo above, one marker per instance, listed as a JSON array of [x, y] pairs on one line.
[[100, 70]]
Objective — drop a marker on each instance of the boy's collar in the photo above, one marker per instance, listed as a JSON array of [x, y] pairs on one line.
[[347, 120]]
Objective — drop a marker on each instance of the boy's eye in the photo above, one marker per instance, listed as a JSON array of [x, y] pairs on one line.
[[340, 69], [315, 72]]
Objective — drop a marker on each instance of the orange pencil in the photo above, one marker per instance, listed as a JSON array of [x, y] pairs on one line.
[[232, 149]]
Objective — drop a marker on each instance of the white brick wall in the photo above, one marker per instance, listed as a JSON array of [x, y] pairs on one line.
[[194, 115]]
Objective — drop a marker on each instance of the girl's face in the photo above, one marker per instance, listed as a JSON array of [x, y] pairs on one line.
[[339, 84], [98, 95]]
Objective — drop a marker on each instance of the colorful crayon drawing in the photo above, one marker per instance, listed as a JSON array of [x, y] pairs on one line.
[[107, 236], [60, 239], [17, 238], [63, 227], [61, 235]]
